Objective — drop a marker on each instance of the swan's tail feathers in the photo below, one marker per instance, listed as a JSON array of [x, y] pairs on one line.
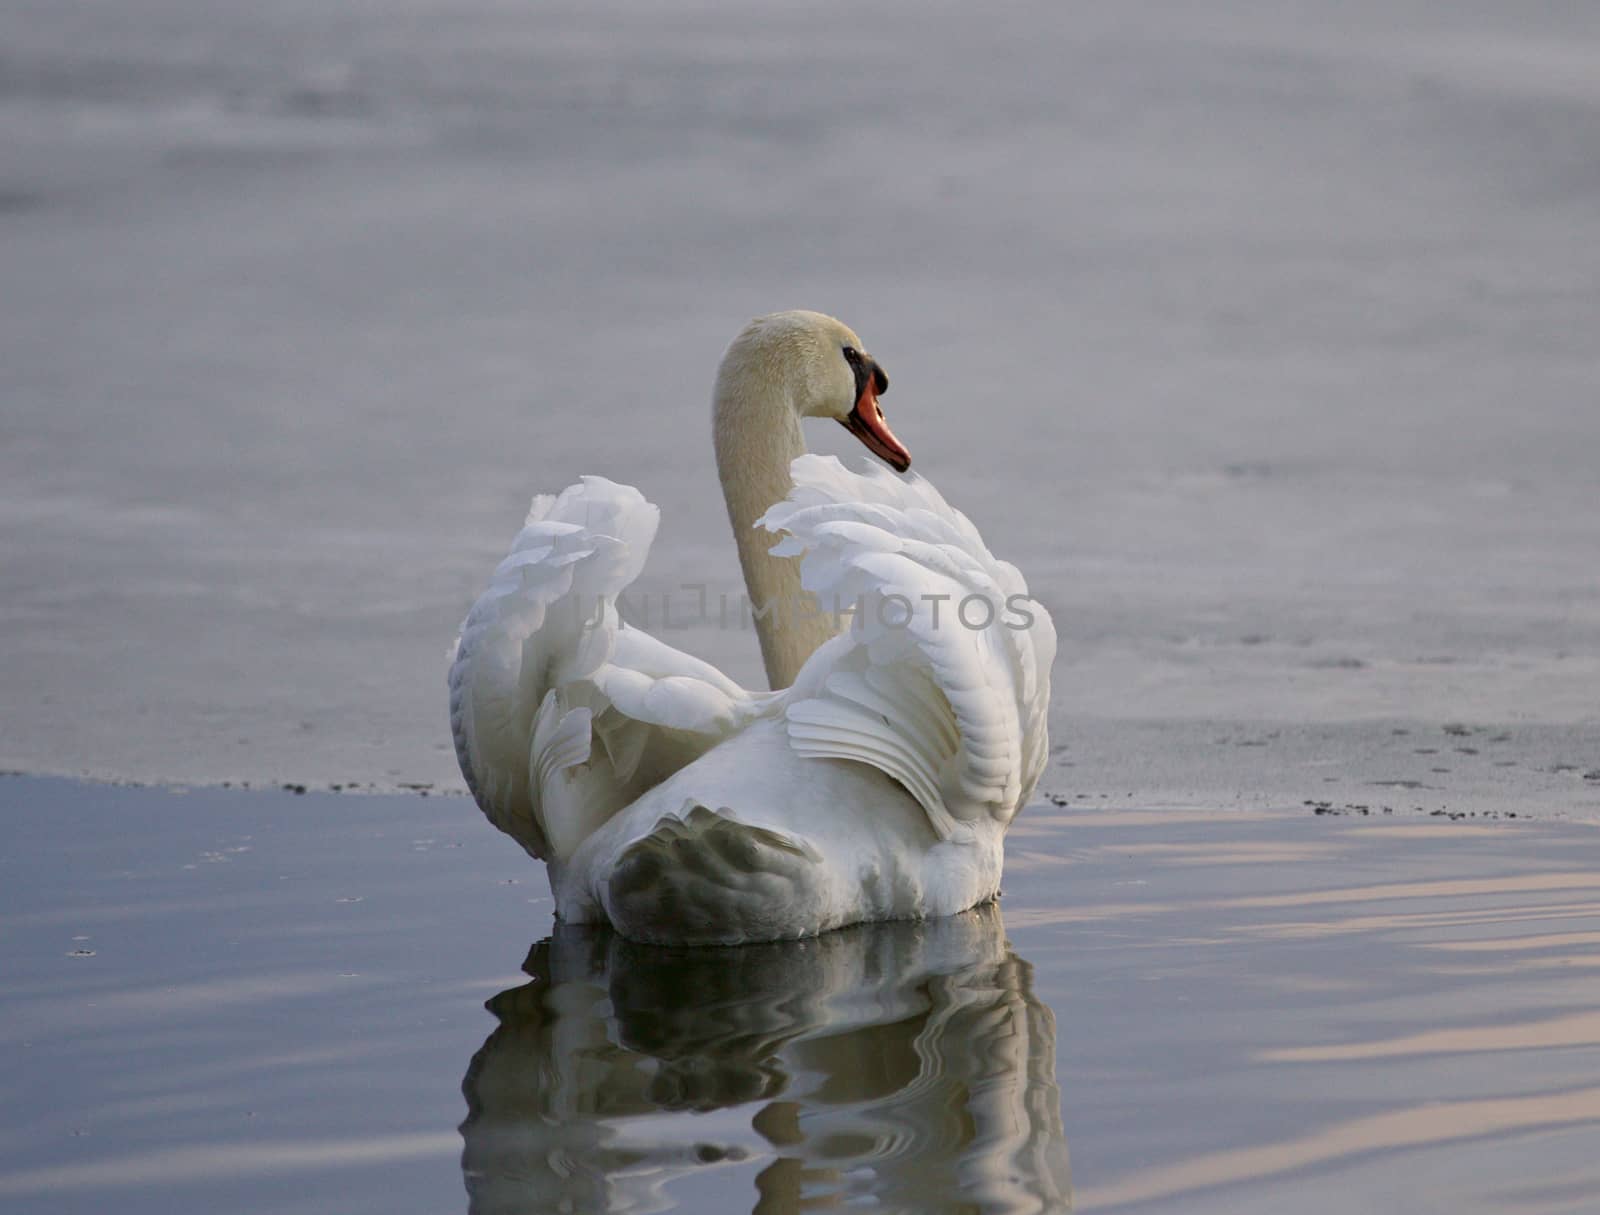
[[702, 877], [547, 620], [942, 679]]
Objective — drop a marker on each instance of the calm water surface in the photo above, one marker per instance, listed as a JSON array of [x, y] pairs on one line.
[[907, 1066], [1260, 336], [269, 1003]]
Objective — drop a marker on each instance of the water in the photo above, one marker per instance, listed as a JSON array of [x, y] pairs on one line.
[[908, 1066], [1259, 337], [262, 1002]]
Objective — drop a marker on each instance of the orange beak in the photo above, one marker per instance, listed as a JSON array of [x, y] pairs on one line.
[[866, 422]]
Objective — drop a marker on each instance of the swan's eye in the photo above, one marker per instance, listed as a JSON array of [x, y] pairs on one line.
[[851, 354]]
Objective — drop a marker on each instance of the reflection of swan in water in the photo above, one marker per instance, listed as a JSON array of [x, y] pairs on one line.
[[909, 1064]]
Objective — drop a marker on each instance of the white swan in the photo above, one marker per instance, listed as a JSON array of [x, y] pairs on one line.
[[877, 784]]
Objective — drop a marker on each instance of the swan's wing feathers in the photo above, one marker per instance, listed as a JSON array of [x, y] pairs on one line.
[[823, 480], [680, 702], [936, 681], [526, 632], [561, 714]]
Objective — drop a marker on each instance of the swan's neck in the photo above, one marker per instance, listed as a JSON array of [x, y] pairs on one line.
[[757, 431]]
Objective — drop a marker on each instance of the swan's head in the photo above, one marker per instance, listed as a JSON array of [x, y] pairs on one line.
[[820, 367]]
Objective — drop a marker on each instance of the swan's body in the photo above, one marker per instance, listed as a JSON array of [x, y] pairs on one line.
[[876, 784]]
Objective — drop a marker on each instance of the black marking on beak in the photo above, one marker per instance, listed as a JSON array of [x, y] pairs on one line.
[[866, 370], [866, 420]]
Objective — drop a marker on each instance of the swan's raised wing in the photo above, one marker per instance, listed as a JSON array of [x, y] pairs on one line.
[[942, 677], [561, 713]]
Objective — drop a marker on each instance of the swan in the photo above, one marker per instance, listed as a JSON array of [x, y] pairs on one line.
[[910, 674]]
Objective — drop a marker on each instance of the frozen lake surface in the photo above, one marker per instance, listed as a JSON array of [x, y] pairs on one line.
[[1261, 337], [257, 1002]]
